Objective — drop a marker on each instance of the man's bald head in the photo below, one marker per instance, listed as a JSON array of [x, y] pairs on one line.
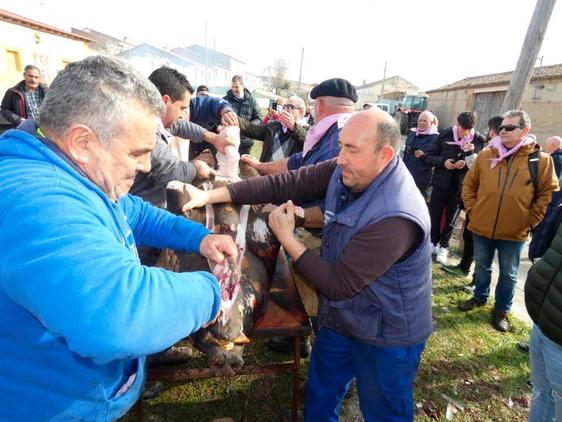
[[553, 143], [369, 141]]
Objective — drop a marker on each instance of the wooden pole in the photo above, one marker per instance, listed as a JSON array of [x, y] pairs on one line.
[[381, 97], [300, 73], [528, 55]]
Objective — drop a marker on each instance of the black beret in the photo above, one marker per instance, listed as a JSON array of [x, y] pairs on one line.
[[336, 87]]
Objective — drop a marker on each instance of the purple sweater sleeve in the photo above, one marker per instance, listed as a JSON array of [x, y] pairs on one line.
[[368, 255], [307, 183]]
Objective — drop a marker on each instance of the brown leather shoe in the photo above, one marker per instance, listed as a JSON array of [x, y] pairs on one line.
[[500, 320], [470, 304]]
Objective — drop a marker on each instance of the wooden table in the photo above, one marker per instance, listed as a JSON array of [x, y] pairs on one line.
[[284, 317]]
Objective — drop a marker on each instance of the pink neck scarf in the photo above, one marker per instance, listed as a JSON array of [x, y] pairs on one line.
[[460, 142], [316, 132], [504, 152], [431, 130]]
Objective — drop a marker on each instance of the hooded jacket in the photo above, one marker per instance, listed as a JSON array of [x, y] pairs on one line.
[[543, 290], [499, 201], [78, 312]]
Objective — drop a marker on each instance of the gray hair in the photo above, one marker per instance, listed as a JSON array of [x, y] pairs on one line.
[[524, 119], [299, 100], [238, 78], [31, 67], [388, 133], [97, 92], [555, 140]]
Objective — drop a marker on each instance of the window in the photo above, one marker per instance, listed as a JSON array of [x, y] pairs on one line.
[[13, 62]]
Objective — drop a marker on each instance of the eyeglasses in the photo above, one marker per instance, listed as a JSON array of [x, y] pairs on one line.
[[291, 107], [508, 128]]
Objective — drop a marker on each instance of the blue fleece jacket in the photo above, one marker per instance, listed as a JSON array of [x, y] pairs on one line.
[[78, 312]]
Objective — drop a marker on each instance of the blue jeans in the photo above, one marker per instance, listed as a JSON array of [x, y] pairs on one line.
[[385, 378], [509, 253], [546, 377]]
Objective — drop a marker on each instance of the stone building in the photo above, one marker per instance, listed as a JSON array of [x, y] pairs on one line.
[[485, 94]]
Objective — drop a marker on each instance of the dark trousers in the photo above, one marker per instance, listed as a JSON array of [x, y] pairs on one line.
[[440, 200], [468, 251]]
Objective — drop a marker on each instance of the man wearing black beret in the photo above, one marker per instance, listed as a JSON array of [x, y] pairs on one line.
[[334, 103]]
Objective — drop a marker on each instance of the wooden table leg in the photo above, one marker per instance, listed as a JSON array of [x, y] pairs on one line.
[[139, 409], [296, 379]]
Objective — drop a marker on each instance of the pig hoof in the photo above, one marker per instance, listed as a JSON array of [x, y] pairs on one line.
[[235, 361]]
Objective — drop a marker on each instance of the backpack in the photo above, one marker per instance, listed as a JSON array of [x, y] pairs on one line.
[[547, 228], [534, 170]]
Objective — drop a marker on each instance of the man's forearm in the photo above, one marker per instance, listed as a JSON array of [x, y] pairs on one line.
[[209, 137], [292, 246], [271, 167], [219, 196], [11, 117], [188, 130]]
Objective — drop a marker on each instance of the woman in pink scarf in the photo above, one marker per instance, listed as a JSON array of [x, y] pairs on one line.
[[419, 139]]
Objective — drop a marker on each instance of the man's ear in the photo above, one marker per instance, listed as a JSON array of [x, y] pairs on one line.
[[387, 153], [167, 99], [80, 140], [526, 130], [319, 106]]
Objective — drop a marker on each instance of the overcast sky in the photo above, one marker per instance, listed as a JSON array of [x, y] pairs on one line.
[[430, 43]]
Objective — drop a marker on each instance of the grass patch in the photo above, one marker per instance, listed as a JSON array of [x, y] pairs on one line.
[[465, 359]]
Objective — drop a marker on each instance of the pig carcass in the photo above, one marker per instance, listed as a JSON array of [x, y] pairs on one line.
[[244, 283]]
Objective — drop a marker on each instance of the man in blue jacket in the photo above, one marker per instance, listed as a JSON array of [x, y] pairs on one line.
[[373, 273], [553, 146], [78, 312]]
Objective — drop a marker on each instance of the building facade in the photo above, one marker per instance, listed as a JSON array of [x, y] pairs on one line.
[[485, 95], [24, 41], [395, 87]]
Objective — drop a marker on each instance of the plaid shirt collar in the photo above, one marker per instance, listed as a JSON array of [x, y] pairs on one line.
[[32, 103]]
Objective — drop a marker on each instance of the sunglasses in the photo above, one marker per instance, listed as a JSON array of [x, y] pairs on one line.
[[291, 107], [508, 128]]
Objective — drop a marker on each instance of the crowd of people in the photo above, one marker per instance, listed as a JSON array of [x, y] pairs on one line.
[[82, 202]]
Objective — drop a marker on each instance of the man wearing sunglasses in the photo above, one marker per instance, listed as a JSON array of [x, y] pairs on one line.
[[282, 137], [503, 205]]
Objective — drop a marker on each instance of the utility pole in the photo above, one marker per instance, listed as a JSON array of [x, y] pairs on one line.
[[300, 73], [528, 55], [206, 56], [382, 87]]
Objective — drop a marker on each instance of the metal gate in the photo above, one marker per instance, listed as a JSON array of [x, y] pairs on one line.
[[487, 105]]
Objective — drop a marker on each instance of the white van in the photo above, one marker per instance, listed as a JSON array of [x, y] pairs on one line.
[[382, 106]]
